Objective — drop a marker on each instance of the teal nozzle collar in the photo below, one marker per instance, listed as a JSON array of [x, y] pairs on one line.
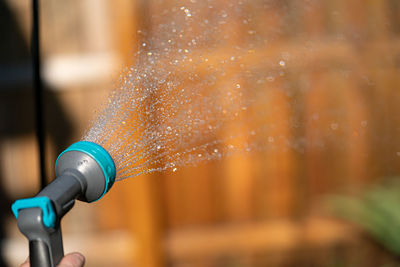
[[44, 203], [101, 156]]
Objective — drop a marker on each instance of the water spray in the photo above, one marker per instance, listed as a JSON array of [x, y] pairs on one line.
[[84, 171]]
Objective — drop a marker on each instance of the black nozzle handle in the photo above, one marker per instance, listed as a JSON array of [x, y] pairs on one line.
[[45, 243], [39, 254]]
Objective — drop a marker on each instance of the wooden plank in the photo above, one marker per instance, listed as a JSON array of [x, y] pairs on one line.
[[378, 26], [275, 182], [143, 214], [273, 236], [237, 178], [126, 17], [19, 165], [384, 143], [313, 18], [190, 196], [19, 158]]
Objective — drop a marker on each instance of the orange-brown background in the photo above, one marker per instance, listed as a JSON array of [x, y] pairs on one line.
[[258, 209]]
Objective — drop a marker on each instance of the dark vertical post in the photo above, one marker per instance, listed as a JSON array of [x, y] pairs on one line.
[[38, 90]]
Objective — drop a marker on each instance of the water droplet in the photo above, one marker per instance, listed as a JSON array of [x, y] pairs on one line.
[[334, 126], [237, 85], [188, 14], [315, 116], [282, 63], [364, 123], [270, 78]]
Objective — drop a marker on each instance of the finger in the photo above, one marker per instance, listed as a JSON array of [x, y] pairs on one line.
[[72, 260], [26, 263]]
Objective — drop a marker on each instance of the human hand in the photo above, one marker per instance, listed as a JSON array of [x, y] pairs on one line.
[[70, 260]]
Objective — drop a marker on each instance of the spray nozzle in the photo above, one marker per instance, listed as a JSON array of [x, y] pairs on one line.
[[84, 171]]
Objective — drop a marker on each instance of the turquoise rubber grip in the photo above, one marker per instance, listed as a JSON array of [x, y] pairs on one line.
[[49, 216], [101, 156]]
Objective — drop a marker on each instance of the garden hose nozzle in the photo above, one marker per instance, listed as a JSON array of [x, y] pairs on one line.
[[84, 171]]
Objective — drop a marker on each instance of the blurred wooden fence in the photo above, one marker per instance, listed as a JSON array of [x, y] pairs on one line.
[[343, 105], [342, 102]]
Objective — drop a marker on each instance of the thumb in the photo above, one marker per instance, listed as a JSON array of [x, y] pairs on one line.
[[72, 260]]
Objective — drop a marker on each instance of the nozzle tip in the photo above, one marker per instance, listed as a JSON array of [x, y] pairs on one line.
[[101, 156]]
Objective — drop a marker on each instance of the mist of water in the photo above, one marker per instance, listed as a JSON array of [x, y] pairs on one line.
[[211, 79]]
